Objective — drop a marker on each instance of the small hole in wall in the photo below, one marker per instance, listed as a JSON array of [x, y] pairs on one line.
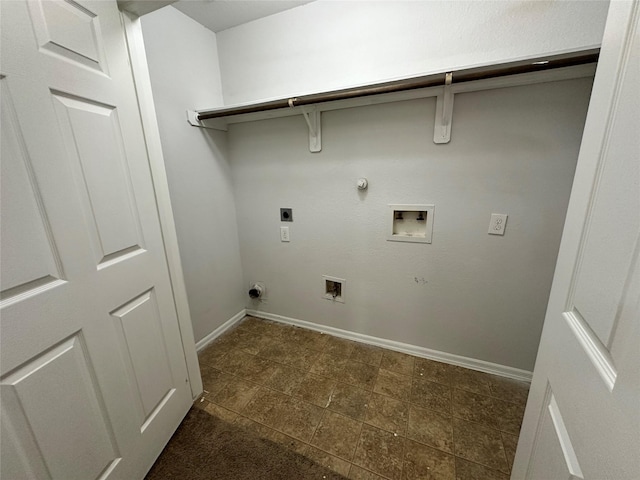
[[333, 289], [286, 215]]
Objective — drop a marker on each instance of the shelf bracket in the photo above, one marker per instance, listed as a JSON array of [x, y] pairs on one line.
[[313, 118], [212, 124], [444, 111]]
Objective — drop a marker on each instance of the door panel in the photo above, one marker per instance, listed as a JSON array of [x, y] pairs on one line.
[[582, 417], [69, 30], [40, 390], [93, 376], [143, 346], [29, 258], [92, 137], [601, 279]]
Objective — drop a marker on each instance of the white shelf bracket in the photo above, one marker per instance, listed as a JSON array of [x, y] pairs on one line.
[[313, 118], [444, 111], [213, 124]]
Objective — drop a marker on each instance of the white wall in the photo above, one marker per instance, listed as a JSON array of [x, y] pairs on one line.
[[332, 44], [184, 72], [512, 151]]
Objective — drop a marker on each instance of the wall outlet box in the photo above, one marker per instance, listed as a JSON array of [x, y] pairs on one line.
[[333, 288], [411, 223], [286, 215], [497, 224]]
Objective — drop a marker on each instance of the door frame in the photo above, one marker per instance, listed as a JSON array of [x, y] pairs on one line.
[[142, 81]]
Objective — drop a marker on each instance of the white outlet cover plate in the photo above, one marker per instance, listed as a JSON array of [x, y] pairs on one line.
[[498, 223], [284, 234]]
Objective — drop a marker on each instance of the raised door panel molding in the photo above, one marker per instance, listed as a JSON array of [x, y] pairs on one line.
[[66, 29], [145, 353], [594, 349], [29, 258], [92, 136], [58, 423], [554, 455]]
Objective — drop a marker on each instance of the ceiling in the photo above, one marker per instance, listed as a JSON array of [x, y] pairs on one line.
[[218, 15]]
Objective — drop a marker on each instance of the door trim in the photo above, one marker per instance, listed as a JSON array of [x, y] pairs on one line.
[[142, 82]]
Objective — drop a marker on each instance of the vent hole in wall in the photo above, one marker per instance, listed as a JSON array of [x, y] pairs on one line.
[[257, 292]]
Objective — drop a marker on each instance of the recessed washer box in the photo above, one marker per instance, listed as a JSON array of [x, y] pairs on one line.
[[411, 223], [333, 288]]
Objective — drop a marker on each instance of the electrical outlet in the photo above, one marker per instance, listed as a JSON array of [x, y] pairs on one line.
[[497, 224], [284, 234]]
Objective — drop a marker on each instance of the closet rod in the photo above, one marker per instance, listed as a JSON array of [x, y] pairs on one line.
[[438, 79]]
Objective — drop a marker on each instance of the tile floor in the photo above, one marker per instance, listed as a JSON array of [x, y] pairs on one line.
[[365, 412]]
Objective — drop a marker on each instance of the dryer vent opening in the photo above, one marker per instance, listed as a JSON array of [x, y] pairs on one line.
[[256, 291]]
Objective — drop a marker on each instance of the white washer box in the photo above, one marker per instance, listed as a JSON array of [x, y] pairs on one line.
[[411, 223]]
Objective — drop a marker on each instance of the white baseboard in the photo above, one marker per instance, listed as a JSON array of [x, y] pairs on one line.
[[220, 330], [472, 363]]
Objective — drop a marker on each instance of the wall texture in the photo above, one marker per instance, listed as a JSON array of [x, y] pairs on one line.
[[512, 151], [184, 72], [332, 44]]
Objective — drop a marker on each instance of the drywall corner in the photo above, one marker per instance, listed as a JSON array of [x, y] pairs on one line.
[[184, 71]]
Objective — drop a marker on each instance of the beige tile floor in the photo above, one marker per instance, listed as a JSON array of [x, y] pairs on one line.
[[365, 412]]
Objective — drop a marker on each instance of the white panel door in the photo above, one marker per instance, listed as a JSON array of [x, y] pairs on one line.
[[93, 379], [583, 414]]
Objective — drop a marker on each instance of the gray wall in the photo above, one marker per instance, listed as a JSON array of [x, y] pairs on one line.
[[326, 45], [513, 151], [184, 72]]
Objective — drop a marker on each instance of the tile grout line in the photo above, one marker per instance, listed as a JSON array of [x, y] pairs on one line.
[[362, 422], [404, 446], [453, 440], [509, 466], [356, 449], [275, 430], [318, 426], [327, 411], [350, 462], [482, 465]]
